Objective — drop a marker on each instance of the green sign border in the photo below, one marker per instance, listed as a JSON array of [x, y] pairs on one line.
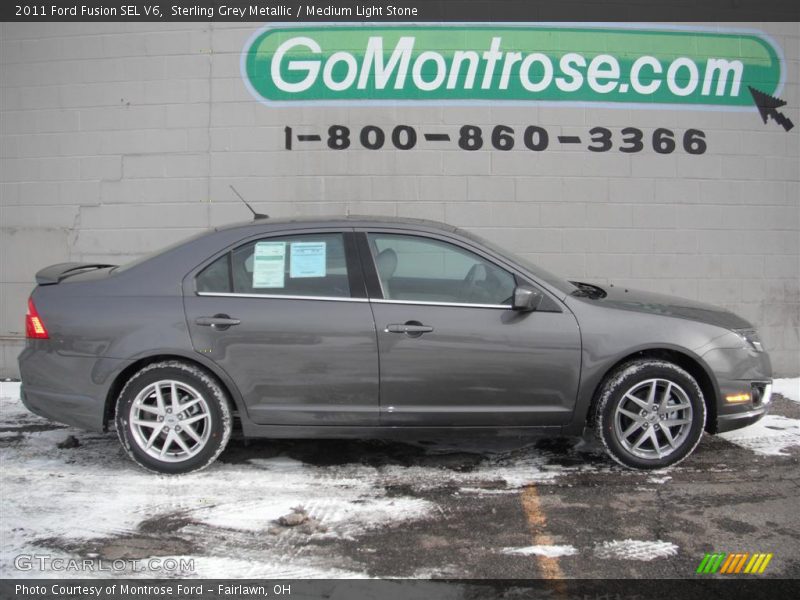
[[770, 77]]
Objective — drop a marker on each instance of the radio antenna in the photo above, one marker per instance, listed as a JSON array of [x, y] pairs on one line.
[[256, 216]]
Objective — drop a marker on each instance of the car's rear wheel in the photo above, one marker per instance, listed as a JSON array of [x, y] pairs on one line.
[[650, 414], [172, 417]]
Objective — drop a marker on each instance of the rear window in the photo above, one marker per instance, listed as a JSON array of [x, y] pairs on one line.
[[300, 265]]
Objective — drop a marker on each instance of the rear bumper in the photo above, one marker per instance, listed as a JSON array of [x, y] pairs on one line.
[[68, 389], [70, 409]]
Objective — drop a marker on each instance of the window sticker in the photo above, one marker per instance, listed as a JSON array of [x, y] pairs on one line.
[[308, 259], [269, 259]]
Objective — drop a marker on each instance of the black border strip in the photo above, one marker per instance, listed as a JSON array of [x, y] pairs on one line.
[[423, 10]]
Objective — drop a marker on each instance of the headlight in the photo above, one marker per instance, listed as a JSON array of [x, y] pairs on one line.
[[750, 337]]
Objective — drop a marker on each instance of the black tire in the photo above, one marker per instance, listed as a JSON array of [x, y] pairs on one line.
[[616, 402], [210, 416]]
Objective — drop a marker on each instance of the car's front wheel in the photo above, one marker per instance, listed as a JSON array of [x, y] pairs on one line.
[[172, 417], [650, 414]]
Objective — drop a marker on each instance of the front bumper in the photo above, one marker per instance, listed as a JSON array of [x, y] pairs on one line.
[[755, 409], [744, 387]]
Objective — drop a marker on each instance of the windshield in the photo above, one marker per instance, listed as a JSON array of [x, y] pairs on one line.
[[543, 274]]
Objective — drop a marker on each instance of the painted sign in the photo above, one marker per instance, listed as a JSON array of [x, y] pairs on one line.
[[511, 63]]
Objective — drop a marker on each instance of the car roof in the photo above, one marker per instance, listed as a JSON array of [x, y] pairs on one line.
[[339, 221]]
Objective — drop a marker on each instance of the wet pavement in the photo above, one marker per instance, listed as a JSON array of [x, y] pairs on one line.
[[456, 508]]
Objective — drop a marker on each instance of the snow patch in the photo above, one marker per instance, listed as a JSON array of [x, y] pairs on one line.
[[635, 549], [663, 479], [788, 388], [83, 495], [550, 551], [770, 436]]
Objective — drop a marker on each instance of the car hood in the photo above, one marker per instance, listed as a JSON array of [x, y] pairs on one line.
[[670, 306]]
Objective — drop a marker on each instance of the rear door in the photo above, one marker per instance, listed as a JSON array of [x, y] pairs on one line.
[[287, 318], [452, 351]]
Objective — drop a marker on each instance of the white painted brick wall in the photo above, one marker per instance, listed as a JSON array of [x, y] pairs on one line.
[[119, 138]]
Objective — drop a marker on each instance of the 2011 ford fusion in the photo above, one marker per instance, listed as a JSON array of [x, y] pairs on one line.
[[370, 327]]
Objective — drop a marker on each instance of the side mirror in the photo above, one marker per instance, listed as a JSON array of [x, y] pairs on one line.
[[526, 299]]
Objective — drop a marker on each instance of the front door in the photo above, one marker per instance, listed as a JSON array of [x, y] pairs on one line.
[[453, 352], [287, 318]]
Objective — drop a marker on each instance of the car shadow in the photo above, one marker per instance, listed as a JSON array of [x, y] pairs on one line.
[[461, 454]]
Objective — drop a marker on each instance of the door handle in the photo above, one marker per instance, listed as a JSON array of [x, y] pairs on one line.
[[411, 328], [220, 322]]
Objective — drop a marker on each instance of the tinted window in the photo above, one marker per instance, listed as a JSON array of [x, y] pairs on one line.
[[427, 270], [215, 277], [301, 265]]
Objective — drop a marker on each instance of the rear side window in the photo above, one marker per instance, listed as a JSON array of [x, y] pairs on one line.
[[301, 265]]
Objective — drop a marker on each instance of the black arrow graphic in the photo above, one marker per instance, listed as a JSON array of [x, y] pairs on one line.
[[768, 107]]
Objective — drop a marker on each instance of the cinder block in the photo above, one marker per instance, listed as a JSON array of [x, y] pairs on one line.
[[239, 114], [116, 242], [656, 266], [537, 240], [706, 166], [783, 168], [710, 191], [743, 167], [348, 189], [490, 189], [572, 214], [466, 214], [515, 214], [606, 266], [630, 190], [656, 165], [698, 266], [152, 216], [539, 189], [40, 247], [186, 165], [422, 210], [681, 241], [569, 266], [161, 43], [466, 163], [145, 166], [633, 241], [14, 307], [609, 215], [319, 209], [442, 188], [184, 116], [38, 217], [101, 167], [719, 291], [682, 191], [587, 189], [589, 240], [389, 188], [655, 216]]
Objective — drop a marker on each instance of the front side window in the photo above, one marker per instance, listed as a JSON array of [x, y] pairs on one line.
[[300, 265], [426, 270]]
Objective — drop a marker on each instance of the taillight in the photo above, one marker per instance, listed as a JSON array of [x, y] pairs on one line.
[[34, 326]]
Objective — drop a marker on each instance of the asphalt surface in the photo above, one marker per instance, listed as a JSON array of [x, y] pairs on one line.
[[453, 509]]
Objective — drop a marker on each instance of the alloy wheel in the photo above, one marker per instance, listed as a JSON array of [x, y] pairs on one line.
[[653, 419], [170, 421]]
